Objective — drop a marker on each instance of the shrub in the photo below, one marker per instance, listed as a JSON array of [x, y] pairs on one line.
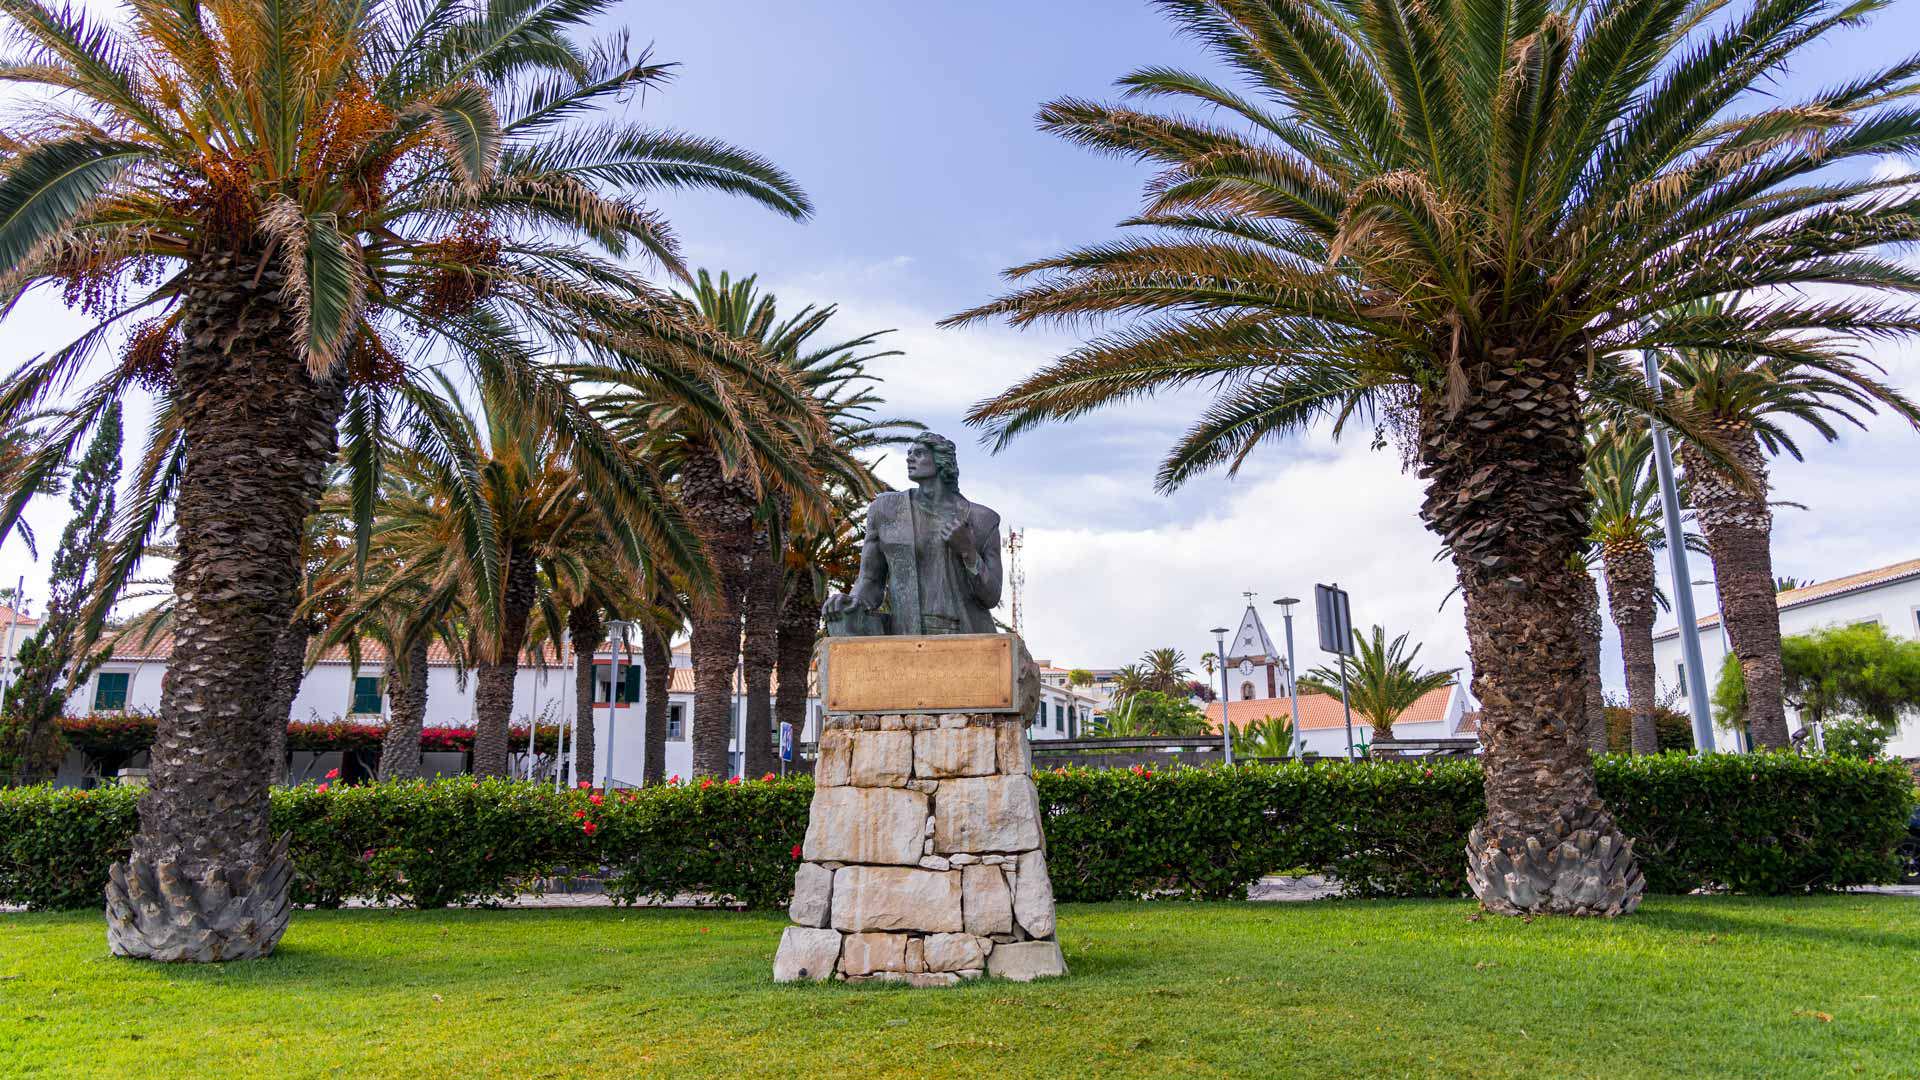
[[113, 737], [1766, 823], [1674, 729]]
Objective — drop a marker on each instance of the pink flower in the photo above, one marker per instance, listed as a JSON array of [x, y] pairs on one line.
[[322, 789], [585, 784], [589, 828], [595, 799], [367, 854], [768, 777], [333, 774]]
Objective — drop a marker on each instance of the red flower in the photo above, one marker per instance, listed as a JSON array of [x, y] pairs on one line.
[[706, 782], [322, 789], [579, 813], [589, 828], [768, 777], [1429, 772], [595, 799], [674, 780], [585, 784], [333, 774], [796, 851], [732, 781]]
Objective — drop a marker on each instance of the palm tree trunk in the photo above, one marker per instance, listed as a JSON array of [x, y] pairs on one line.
[[1738, 526], [799, 631], [406, 714], [762, 613], [288, 671], [1631, 595], [721, 510], [1593, 732], [657, 657], [586, 629], [1505, 491], [494, 681], [204, 880]]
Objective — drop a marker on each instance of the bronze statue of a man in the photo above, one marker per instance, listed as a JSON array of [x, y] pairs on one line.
[[931, 555]]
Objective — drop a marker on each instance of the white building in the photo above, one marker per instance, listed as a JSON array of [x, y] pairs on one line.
[[1889, 596], [1066, 711], [334, 689], [1258, 680]]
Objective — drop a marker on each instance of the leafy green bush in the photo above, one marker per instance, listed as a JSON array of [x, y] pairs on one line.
[[1767, 823], [1674, 729]]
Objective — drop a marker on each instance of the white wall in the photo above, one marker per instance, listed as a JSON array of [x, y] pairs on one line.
[[1895, 605]]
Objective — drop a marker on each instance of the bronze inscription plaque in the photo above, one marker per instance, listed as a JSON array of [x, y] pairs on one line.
[[942, 673]]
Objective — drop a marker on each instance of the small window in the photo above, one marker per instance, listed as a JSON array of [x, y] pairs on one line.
[[1246, 691], [677, 723], [366, 695], [630, 690], [1680, 672], [110, 691], [1916, 620]]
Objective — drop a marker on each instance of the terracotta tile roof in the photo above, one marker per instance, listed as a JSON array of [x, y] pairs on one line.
[[1322, 711], [1469, 722], [1821, 590], [11, 617]]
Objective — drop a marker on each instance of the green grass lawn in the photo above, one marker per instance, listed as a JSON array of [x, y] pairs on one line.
[[1689, 987]]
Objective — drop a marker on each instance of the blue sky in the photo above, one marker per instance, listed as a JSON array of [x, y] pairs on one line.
[[910, 125]]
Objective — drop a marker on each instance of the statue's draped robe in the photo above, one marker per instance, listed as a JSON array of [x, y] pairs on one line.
[[931, 589]]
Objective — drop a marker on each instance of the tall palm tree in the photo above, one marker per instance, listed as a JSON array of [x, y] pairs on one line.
[[1627, 530], [1166, 670], [1747, 398], [1454, 224], [1384, 680], [734, 470], [487, 507], [296, 196]]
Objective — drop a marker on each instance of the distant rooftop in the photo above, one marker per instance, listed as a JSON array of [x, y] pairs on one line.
[[1822, 590]]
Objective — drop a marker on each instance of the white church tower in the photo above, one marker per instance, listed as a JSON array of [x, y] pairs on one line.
[[1255, 669]]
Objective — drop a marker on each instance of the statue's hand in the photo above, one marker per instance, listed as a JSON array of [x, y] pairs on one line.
[[837, 603], [958, 535]]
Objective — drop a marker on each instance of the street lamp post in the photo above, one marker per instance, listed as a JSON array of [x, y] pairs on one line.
[[1226, 703], [1677, 555], [618, 629], [1293, 678]]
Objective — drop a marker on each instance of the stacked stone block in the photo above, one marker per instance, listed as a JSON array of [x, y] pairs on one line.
[[924, 861]]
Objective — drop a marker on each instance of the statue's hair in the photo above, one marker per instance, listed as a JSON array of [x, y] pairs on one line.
[[946, 456]]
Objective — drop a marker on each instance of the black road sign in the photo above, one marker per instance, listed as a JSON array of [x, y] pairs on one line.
[[1330, 608]]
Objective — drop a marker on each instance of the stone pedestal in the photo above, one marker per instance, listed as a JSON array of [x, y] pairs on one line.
[[923, 862]]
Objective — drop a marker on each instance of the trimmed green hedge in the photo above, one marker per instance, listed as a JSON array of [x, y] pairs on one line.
[[1771, 823]]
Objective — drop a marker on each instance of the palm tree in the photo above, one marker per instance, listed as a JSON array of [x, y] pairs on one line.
[[488, 508], [1383, 681], [1627, 530], [1455, 225], [292, 192], [1746, 398], [1127, 682], [741, 478], [1268, 737], [1166, 670]]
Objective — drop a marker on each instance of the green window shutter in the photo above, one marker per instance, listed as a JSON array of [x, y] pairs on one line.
[[110, 691], [630, 684], [366, 695]]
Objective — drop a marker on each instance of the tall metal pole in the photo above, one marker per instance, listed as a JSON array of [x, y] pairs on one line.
[[1696, 678], [560, 755], [619, 630], [1226, 703], [1293, 677], [1344, 707]]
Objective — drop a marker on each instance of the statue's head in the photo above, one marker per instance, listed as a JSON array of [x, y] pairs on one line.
[[940, 451]]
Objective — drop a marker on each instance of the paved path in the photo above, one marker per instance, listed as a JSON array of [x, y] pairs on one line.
[[1274, 888]]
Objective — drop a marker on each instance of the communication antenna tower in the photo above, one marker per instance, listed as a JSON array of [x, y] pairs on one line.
[[1016, 574]]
